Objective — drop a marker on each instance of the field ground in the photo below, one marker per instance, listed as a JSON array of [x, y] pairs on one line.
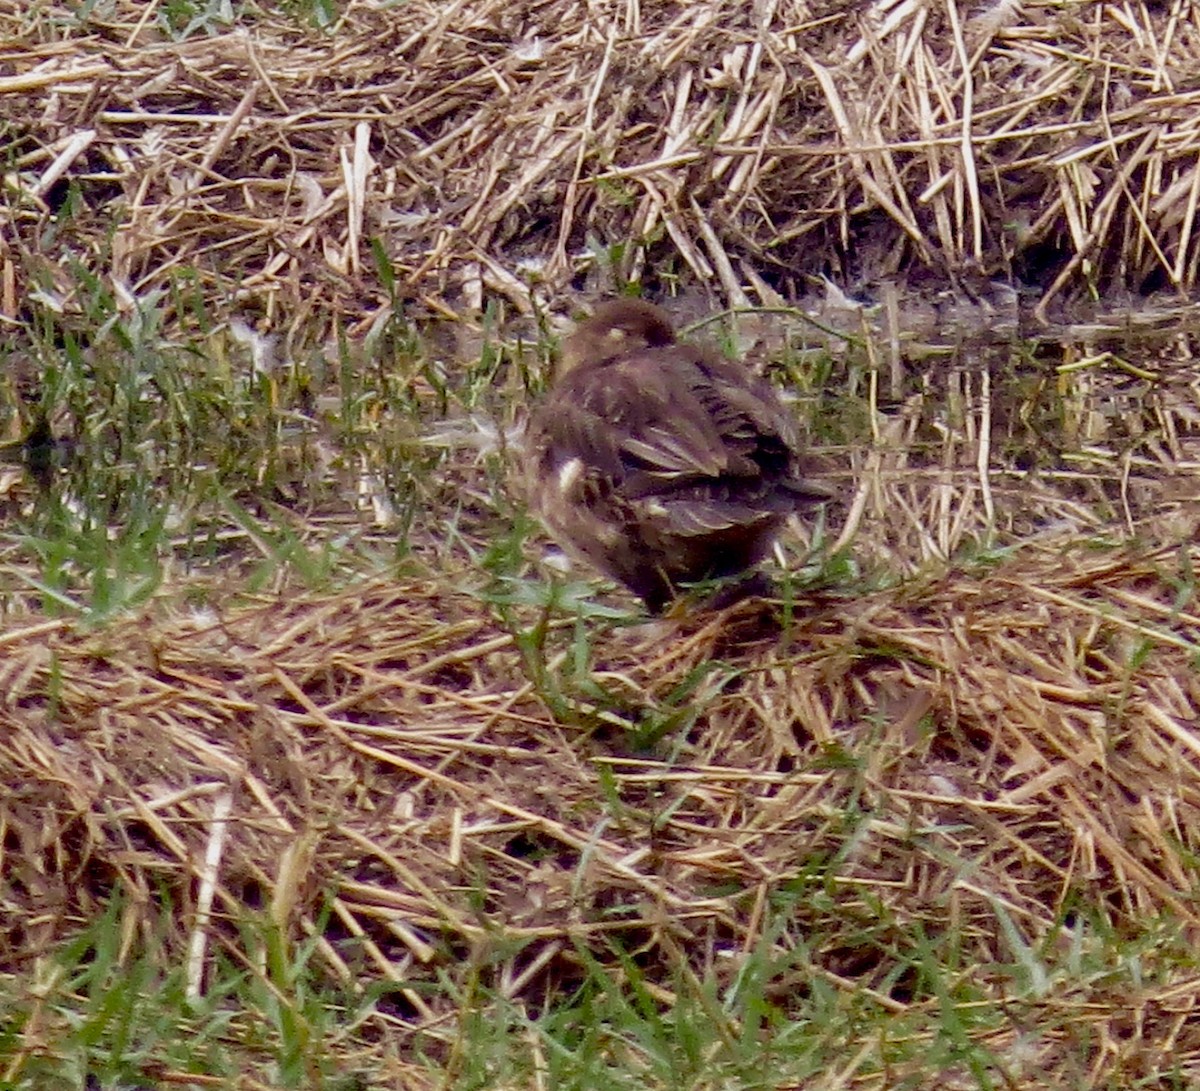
[[320, 773]]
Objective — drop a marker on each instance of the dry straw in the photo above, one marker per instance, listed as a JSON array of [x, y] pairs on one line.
[[977, 752], [1000, 746], [489, 145]]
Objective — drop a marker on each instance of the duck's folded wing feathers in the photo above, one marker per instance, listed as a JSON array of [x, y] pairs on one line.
[[701, 518], [670, 420], [637, 417], [680, 450]]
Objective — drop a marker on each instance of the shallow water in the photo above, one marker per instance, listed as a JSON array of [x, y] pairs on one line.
[[944, 440], [949, 439]]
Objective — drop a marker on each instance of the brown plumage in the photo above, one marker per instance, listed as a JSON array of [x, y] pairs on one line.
[[659, 462]]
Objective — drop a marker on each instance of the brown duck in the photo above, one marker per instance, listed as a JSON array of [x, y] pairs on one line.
[[658, 462]]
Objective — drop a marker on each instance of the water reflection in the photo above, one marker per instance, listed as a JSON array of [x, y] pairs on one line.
[[945, 441], [947, 449]]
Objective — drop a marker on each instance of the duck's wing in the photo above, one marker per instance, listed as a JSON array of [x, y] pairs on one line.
[[635, 420], [747, 413], [674, 440], [757, 428]]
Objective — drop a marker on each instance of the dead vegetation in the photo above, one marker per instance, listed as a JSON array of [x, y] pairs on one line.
[[491, 148], [1005, 752], [998, 754]]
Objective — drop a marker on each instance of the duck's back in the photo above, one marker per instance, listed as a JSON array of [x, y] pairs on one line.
[[666, 464]]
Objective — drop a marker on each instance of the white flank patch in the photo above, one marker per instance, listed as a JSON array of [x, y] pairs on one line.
[[557, 561], [568, 473]]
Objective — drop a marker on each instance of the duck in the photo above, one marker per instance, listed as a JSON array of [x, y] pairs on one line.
[[660, 462]]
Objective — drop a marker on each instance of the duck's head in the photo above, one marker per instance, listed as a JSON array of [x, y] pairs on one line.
[[617, 327]]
